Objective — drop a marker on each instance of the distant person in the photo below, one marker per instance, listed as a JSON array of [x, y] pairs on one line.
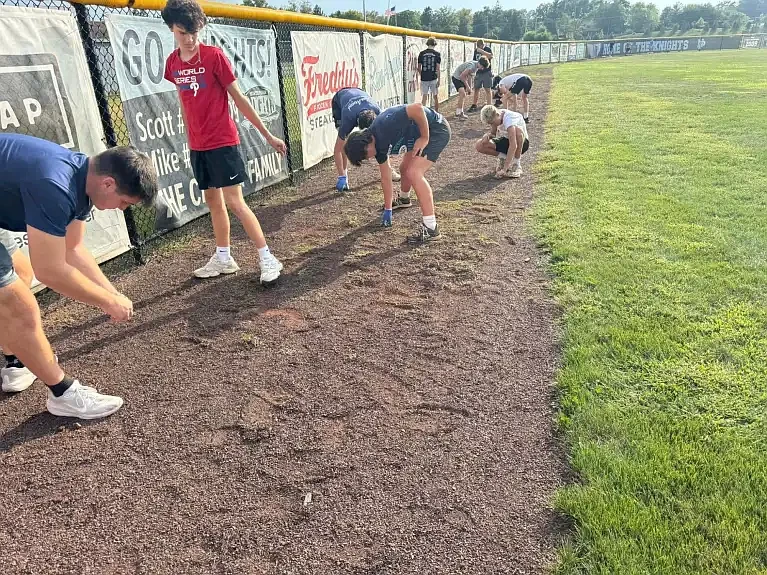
[[352, 108], [463, 77], [509, 146], [512, 86], [429, 61], [420, 134], [484, 78]]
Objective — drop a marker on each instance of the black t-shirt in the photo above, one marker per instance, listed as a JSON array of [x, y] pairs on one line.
[[429, 60], [478, 55]]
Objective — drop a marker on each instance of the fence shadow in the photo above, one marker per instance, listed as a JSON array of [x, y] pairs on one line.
[[469, 188]]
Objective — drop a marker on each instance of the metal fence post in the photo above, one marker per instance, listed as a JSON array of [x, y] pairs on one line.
[[283, 104], [102, 101]]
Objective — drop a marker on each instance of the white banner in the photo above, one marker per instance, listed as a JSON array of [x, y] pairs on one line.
[[444, 70], [545, 53], [535, 54], [554, 56], [456, 59], [572, 51], [383, 69], [580, 52], [153, 115], [324, 62], [46, 91], [517, 58], [525, 57]]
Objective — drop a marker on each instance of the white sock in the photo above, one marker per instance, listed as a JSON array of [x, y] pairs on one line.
[[502, 155], [518, 162], [525, 115], [430, 222], [264, 253], [223, 254]]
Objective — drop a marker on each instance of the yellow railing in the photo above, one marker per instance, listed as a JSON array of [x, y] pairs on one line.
[[219, 9]]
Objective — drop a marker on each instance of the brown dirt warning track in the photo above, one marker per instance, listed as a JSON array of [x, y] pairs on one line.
[[408, 390]]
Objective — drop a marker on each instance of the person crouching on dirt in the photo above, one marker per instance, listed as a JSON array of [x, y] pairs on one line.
[[498, 100], [515, 85], [421, 134], [352, 108], [509, 146]]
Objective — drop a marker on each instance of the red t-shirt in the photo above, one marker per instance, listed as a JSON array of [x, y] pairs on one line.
[[201, 85]]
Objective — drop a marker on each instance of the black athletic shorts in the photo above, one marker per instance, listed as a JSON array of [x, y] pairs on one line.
[[218, 168], [336, 110], [525, 84], [502, 145], [458, 83]]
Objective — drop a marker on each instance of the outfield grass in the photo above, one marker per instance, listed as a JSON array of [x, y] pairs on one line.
[[653, 209]]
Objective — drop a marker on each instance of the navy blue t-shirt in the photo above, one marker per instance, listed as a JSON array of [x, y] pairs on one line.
[[393, 130], [42, 184], [352, 101]]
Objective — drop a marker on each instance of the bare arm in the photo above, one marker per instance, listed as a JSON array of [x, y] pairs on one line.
[[247, 110], [81, 259], [416, 113], [386, 184], [52, 267]]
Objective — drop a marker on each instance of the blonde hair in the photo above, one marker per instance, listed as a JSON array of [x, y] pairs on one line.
[[488, 113]]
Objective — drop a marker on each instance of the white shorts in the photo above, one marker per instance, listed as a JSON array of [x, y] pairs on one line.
[[429, 87]]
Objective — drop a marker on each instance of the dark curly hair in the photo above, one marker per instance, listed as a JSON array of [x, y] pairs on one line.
[[356, 146], [365, 118], [187, 14]]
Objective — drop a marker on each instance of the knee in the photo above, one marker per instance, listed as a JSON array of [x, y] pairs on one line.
[[238, 206], [214, 199], [20, 312]]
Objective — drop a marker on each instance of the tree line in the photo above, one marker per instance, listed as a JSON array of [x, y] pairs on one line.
[[567, 19]]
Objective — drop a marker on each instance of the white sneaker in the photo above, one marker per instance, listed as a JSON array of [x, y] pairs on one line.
[[270, 270], [516, 172], [216, 267], [16, 379], [395, 176], [501, 162], [83, 402]]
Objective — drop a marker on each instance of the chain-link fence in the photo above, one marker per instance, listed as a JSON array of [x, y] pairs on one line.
[[140, 57]]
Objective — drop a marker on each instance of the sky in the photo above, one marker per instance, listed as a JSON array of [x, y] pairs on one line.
[[330, 6]]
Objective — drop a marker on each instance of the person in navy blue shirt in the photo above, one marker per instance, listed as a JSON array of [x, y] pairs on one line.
[[418, 133], [48, 192], [352, 108]]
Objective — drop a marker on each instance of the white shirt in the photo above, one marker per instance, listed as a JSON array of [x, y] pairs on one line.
[[511, 79], [510, 118]]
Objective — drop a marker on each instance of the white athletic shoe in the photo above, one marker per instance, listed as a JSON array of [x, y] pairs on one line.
[[516, 172], [270, 270], [16, 379], [83, 402], [395, 176], [216, 267]]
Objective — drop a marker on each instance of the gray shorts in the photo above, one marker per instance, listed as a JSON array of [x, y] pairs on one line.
[[439, 137], [483, 80], [7, 248]]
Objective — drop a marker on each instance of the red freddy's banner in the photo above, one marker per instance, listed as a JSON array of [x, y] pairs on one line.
[[324, 62]]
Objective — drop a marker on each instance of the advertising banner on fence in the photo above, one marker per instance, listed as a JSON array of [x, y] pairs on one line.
[[545, 53], [517, 57], [554, 56], [383, 69], [324, 62], [525, 55], [572, 51], [456, 59], [153, 111], [580, 51], [444, 71], [535, 54], [46, 91]]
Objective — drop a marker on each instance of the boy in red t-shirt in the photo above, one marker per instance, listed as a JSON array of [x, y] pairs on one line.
[[204, 79]]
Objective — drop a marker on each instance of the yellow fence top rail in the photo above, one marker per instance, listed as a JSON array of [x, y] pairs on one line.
[[223, 10]]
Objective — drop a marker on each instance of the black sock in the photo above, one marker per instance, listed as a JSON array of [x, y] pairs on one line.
[[59, 389], [13, 361]]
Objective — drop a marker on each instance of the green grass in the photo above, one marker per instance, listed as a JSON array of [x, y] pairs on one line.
[[653, 207]]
